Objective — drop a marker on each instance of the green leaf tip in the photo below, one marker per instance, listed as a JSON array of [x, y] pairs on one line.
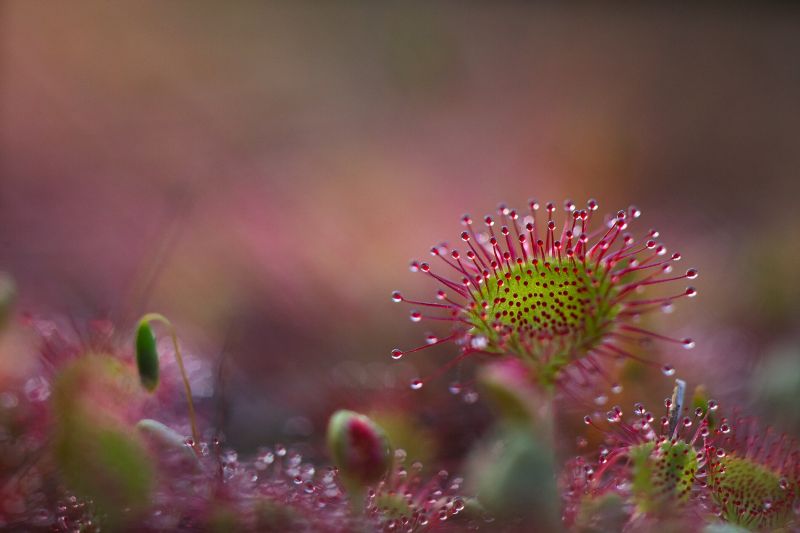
[[147, 356]]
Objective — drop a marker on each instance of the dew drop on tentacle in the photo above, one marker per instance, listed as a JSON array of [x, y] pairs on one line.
[[479, 342], [397, 353], [37, 389], [601, 399], [668, 370], [470, 396], [416, 384]]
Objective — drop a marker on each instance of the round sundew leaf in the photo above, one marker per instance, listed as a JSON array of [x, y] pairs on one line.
[[554, 293], [750, 494], [663, 474], [560, 310], [147, 356]]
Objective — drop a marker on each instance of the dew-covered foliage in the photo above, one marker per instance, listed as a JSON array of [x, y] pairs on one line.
[[547, 314]]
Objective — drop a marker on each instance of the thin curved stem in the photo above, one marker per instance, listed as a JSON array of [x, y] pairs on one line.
[[157, 317]]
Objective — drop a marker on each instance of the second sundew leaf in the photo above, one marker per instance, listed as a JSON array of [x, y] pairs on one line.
[[359, 447], [750, 494], [663, 474]]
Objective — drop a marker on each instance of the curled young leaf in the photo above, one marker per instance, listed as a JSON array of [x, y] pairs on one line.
[[359, 447]]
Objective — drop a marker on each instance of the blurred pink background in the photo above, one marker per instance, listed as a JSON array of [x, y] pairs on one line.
[[262, 173]]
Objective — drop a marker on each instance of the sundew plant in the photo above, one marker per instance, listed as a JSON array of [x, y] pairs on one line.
[[536, 308]]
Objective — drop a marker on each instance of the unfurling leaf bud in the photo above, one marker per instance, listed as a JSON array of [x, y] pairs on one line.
[[147, 356], [359, 447]]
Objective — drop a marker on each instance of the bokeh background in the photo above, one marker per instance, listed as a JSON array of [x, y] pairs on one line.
[[263, 172]]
